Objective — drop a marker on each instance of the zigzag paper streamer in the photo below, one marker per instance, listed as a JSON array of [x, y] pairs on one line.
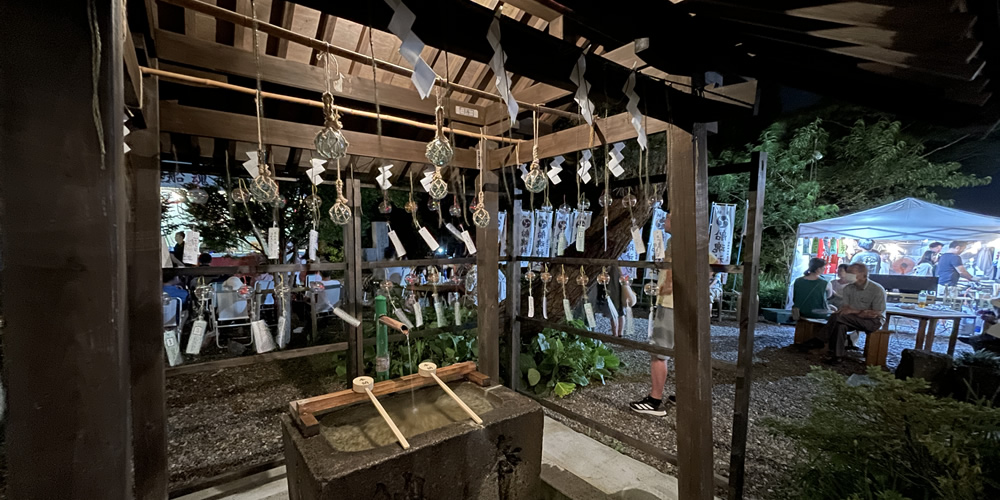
[[313, 174], [584, 170], [384, 176], [400, 25], [633, 109], [582, 90], [496, 64], [615, 158], [555, 166], [251, 164]]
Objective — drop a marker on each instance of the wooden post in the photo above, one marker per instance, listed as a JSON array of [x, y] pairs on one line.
[[64, 219], [748, 323], [513, 294], [688, 171], [487, 275], [355, 288], [145, 322]]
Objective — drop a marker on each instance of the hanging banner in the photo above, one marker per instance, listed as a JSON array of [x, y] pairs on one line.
[[720, 236], [543, 236]]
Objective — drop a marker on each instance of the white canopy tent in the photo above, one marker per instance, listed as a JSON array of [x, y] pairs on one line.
[[907, 219]]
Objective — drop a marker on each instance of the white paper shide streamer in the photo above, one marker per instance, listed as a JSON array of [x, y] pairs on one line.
[[582, 90], [401, 25], [496, 64], [633, 109]]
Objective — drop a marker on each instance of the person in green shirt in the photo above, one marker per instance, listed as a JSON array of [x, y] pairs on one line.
[[811, 291]]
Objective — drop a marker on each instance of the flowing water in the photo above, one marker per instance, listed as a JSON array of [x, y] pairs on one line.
[[409, 355], [360, 427]]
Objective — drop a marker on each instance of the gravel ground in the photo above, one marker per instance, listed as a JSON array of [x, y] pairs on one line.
[[224, 420], [228, 419], [780, 389]]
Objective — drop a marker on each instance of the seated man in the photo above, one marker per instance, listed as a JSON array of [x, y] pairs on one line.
[[863, 308]]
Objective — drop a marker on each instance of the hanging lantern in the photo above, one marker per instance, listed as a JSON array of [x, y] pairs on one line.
[[198, 196], [330, 142], [340, 213]]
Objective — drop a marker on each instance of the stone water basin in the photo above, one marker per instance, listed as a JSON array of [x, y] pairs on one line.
[[355, 455]]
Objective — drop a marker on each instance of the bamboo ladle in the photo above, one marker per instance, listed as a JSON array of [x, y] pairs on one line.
[[364, 385], [428, 369]]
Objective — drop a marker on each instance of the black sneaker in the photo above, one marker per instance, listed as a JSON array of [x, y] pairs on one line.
[[648, 406]]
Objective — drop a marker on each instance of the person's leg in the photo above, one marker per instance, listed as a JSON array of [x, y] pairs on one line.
[[658, 370]]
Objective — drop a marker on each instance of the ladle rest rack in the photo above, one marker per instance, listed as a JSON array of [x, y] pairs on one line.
[[305, 412]]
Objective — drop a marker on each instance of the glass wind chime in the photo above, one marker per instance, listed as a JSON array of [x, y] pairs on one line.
[[562, 279], [332, 145], [546, 277], [535, 180], [480, 217], [588, 308], [263, 187], [439, 153]]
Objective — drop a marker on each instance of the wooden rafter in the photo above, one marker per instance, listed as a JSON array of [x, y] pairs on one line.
[[282, 14]]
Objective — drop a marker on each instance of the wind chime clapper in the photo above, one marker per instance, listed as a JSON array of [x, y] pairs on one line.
[[363, 385], [429, 370]]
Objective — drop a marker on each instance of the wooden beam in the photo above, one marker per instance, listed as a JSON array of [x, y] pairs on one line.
[[65, 349], [536, 8], [231, 60], [748, 325], [133, 78], [145, 309], [487, 261], [353, 277], [688, 169], [890, 16], [282, 13], [220, 124], [613, 129]]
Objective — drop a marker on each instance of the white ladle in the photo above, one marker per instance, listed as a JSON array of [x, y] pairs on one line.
[[364, 385], [428, 369]]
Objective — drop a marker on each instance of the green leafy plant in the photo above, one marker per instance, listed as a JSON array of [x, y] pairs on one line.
[[981, 358], [892, 440], [558, 362]]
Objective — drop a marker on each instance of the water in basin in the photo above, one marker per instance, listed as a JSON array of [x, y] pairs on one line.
[[360, 427]]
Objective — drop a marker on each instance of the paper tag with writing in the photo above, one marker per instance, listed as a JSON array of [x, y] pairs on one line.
[[649, 328], [531, 306], [640, 247], [589, 310], [613, 313], [469, 244], [568, 310], [439, 313], [262, 336], [402, 317], [342, 314], [313, 244], [458, 313], [174, 356], [580, 233], [273, 243], [453, 230], [545, 308], [561, 246], [192, 241], [196, 337], [419, 313], [431, 242], [658, 251], [629, 320], [398, 245], [284, 331]]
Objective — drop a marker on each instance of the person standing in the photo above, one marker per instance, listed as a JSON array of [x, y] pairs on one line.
[[926, 265], [950, 265], [863, 309], [870, 258], [177, 254]]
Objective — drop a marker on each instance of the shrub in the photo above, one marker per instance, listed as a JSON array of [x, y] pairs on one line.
[[980, 358], [892, 440], [772, 290], [559, 362]]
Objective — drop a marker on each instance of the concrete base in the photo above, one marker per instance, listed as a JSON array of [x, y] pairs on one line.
[[577, 467], [499, 460]]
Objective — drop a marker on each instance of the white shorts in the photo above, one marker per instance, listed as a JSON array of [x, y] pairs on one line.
[[663, 329]]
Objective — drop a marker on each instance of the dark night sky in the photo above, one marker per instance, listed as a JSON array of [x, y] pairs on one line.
[[978, 156]]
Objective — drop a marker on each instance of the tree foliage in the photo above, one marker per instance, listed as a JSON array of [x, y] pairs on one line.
[[831, 163]]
